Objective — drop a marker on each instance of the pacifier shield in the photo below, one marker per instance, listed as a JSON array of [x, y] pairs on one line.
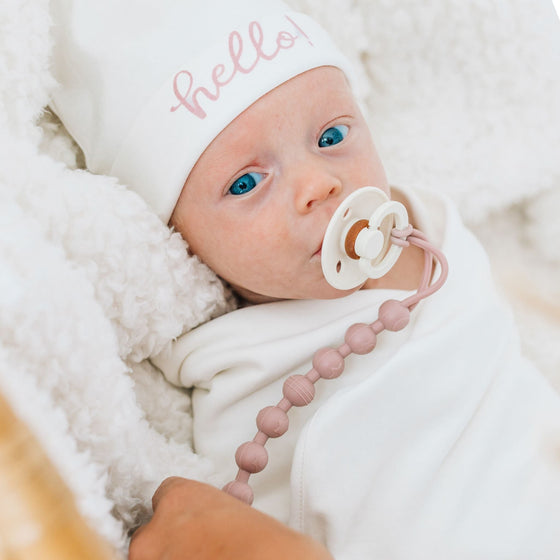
[[357, 243]]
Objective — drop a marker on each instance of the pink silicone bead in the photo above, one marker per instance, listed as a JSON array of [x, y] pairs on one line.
[[251, 457], [328, 362], [394, 315], [240, 490], [360, 338], [298, 390], [273, 421]]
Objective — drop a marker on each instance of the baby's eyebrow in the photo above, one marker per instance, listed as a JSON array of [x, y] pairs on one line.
[[338, 117], [234, 157]]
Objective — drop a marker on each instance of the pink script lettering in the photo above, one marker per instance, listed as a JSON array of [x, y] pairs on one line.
[[184, 80]]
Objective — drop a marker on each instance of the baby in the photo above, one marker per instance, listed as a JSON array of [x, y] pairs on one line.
[[238, 124]]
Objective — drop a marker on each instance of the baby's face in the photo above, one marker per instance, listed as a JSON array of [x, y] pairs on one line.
[[258, 201]]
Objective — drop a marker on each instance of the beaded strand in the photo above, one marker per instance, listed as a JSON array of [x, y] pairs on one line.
[[328, 363]]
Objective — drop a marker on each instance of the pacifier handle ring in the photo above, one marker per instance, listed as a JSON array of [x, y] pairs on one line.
[[328, 363], [396, 211]]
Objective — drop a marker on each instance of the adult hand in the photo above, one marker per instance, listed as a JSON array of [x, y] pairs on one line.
[[193, 520]]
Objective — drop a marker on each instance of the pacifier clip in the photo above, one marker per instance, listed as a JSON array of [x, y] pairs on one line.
[[364, 239]]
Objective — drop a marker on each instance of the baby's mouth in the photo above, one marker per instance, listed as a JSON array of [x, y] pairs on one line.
[[317, 253]]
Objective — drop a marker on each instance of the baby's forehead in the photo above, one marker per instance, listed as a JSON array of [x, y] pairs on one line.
[[316, 92]]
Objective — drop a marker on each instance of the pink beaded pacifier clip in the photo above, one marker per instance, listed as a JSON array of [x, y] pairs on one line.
[[364, 239]]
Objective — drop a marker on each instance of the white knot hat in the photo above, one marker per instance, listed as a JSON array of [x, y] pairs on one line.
[[145, 86]]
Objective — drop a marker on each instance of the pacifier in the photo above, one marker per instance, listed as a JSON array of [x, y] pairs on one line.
[[357, 243]]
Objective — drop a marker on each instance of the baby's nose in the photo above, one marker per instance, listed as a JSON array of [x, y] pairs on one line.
[[314, 185]]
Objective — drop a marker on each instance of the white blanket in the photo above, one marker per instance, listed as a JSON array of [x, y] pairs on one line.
[[442, 443]]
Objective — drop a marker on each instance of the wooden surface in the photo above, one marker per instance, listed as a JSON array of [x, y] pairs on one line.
[[38, 516]]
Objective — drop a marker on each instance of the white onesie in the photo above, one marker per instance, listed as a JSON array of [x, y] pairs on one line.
[[442, 443]]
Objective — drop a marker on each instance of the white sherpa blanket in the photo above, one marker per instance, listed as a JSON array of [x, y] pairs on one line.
[[464, 96]]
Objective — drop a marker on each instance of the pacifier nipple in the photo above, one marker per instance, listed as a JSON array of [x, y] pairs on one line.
[[357, 244], [362, 242]]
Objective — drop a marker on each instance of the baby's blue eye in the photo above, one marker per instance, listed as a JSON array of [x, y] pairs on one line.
[[245, 183], [333, 135]]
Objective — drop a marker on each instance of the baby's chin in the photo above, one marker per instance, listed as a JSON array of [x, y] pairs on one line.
[[333, 293], [326, 292]]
